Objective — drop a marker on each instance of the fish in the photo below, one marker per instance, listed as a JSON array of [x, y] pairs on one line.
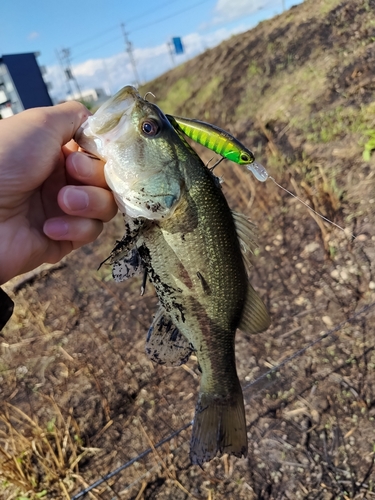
[[196, 252]]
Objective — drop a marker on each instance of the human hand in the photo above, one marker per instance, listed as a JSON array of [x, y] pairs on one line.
[[53, 198]]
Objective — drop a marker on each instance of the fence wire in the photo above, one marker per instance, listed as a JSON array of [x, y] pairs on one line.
[[246, 387]]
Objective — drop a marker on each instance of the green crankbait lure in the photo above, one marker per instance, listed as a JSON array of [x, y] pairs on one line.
[[219, 141]]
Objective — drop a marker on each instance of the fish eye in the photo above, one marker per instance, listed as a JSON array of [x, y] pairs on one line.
[[245, 157], [150, 128]]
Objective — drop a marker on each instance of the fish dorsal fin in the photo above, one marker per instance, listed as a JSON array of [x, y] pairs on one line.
[[165, 344], [255, 318], [247, 236], [128, 266]]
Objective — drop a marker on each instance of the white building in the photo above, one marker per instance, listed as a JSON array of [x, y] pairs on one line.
[[91, 96]]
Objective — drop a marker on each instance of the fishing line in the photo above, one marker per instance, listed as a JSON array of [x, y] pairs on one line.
[[306, 205], [168, 438], [261, 175]]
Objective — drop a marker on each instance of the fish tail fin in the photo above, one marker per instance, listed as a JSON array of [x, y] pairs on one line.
[[219, 427]]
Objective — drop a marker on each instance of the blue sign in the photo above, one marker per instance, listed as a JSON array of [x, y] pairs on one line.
[[178, 47]]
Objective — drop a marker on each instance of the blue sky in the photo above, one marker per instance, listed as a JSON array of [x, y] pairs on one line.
[[91, 30]]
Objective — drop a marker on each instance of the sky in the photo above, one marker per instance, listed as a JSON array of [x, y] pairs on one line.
[[91, 30]]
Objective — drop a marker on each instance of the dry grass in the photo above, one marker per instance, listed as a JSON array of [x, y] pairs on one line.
[[39, 461]]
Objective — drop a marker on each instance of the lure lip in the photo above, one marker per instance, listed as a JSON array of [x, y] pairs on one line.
[[259, 172]]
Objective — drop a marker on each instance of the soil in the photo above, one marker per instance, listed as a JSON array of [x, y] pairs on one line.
[[79, 397]]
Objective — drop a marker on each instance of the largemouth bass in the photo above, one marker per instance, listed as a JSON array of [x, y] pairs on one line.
[[195, 250]]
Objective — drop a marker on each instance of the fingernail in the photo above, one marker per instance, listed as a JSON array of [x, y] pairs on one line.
[[55, 228], [75, 199], [82, 165]]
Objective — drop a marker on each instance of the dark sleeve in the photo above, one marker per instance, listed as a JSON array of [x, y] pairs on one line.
[[6, 308]]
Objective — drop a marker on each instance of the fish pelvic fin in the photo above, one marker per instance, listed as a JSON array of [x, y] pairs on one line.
[[219, 427], [255, 317]]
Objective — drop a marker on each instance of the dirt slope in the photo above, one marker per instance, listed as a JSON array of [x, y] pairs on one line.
[[299, 91]]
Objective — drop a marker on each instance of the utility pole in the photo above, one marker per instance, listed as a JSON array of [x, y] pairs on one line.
[[171, 53], [68, 87], [129, 50], [64, 57]]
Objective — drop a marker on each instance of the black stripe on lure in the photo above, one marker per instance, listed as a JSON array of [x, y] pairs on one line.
[[219, 141]]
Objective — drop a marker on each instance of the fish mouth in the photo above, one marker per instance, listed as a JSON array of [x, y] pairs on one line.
[[99, 129]]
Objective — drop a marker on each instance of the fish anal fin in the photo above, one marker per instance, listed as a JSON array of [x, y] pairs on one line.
[[255, 317], [165, 344], [219, 427]]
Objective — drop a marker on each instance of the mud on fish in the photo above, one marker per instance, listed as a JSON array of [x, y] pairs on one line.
[[195, 250]]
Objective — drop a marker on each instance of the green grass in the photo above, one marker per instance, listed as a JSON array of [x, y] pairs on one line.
[[178, 93], [369, 146]]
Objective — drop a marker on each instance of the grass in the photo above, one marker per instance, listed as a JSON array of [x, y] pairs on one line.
[[369, 146], [39, 460], [337, 123], [178, 93]]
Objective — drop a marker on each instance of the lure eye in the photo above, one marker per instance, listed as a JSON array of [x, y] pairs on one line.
[[245, 157], [150, 128]]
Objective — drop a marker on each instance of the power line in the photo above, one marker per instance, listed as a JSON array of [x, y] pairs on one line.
[[119, 37], [139, 28], [144, 26], [111, 28], [298, 353], [94, 37]]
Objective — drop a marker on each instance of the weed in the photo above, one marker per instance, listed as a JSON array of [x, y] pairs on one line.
[[253, 69], [369, 146]]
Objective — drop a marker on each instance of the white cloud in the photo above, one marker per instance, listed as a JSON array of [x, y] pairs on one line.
[[229, 10], [33, 35], [114, 72]]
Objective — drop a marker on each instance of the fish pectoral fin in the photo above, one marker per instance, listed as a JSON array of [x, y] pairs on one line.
[[128, 266], [123, 247], [165, 344], [255, 318], [247, 236]]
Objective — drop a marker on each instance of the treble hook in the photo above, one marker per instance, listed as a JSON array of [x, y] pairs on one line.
[[216, 164]]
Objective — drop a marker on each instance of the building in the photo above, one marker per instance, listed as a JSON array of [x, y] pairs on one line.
[[21, 84], [90, 97]]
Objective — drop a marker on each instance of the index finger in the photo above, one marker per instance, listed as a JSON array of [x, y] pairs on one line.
[[61, 121]]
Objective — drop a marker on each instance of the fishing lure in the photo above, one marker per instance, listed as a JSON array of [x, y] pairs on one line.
[[221, 142]]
